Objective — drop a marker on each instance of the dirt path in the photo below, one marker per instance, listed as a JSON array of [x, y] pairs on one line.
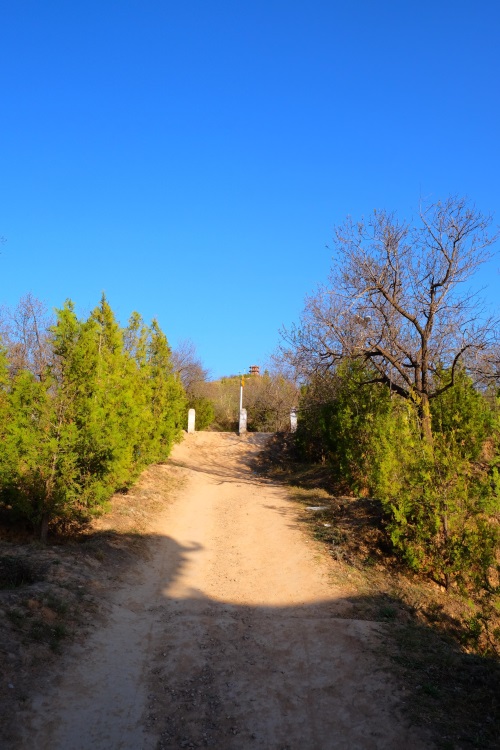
[[230, 636]]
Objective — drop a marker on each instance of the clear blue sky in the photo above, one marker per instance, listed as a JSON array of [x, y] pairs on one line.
[[192, 158]]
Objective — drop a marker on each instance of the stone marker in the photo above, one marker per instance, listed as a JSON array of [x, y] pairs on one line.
[[293, 420], [191, 420], [243, 422]]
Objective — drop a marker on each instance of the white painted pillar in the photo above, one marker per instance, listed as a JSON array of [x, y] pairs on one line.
[[243, 422], [293, 420], [191, 420]]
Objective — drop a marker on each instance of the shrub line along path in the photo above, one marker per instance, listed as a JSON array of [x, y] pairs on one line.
[[230, 635]]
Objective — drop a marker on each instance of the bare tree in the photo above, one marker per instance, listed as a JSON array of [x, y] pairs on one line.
[[486, 368], [187, 363], [397, 299], [24, 330], [269, 399]]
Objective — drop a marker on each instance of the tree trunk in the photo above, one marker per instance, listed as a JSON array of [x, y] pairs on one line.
[[44, 528], [425, 419]]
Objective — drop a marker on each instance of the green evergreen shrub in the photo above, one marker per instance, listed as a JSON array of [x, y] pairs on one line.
[[108, 405], [441, 501], [205, 412]]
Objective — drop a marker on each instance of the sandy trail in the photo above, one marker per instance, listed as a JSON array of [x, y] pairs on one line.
[[230, 636]]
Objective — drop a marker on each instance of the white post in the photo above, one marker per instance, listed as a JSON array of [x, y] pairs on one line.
[[293, 420], [243, 422], [191, 420]]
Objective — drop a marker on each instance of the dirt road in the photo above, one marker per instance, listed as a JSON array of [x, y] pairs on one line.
[[231, 635]]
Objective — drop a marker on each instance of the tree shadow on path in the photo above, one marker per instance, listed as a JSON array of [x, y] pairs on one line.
[[229, 676]]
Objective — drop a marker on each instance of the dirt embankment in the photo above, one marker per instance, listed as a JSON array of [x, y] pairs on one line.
[[231, 634]]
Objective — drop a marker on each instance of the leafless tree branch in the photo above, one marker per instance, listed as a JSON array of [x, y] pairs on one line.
[[396, 299]]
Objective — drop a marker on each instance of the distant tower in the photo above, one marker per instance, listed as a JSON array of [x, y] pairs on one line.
[[254, 370]]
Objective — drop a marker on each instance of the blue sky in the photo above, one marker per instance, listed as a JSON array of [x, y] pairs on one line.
[[191, 159]]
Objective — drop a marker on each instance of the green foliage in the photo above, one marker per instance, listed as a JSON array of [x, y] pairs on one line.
[[5, 411], [338, 419], [441, 516], [443, 512], [441, 501], [108, 406], [38, 451], [464, 413], [205, 411], [168, 400]]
